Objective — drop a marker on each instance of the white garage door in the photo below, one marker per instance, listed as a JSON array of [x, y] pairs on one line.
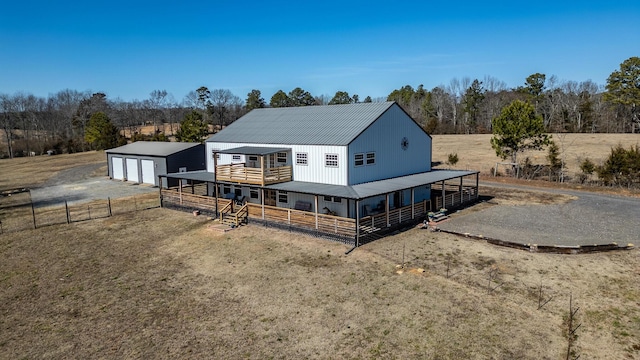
[[116, 166], [148, 173], [132, 170]]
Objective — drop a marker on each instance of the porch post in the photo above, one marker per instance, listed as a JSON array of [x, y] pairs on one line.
[[413, 206], [180, 190], [316, 201], [386, 205], [444, 194], [262, 202], [461, 195], [262, 173], [215, 178], [357, 223], [477, 194]]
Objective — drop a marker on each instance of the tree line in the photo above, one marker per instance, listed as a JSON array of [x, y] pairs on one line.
[[62, 121]]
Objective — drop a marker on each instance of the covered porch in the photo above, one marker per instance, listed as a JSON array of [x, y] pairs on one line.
[[365, 212], [254, 165]]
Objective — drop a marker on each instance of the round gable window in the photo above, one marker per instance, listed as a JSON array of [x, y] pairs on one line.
[[404, 143]]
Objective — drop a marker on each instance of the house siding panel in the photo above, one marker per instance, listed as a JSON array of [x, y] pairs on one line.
[[384, 137], [314, 171]]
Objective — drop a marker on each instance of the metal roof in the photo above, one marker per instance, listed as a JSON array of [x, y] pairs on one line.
[[201, 175], [152, 148], [356, 192], [306, 125], [253, 150], [374, 188]]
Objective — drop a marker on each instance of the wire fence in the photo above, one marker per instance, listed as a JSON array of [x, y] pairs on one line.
[[20, 213]]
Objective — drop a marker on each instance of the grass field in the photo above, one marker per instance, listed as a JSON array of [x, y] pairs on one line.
[[163, 284], [138, 286], [475, 152]]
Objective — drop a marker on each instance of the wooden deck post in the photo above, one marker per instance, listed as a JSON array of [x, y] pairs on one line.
[[180, 190], [444, 196], [477, 194], [262, 171]]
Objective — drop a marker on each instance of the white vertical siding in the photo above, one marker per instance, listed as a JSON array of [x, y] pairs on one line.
[[384, 138], [314, 171]]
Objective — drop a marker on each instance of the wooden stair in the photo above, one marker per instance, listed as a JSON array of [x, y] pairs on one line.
[[234, 219]]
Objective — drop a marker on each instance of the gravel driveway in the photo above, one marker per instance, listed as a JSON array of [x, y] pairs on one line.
[[76, 186], [591, 219]]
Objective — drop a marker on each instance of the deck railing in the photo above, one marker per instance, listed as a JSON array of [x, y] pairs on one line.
[[247, 175]]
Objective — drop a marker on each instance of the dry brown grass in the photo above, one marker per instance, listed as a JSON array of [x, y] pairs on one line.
[[33, 171], [475, 152], [138, 286]]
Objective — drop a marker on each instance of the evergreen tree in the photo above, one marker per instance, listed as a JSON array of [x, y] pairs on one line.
[[101, 134]]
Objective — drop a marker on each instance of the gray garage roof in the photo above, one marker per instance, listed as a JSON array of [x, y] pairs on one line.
[[152, 148], [306, 125], [374, 188]]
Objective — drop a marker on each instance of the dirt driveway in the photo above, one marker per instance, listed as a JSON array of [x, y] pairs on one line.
[[588, 219], [83, 184]]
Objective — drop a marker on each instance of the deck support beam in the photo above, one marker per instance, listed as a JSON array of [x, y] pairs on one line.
[[386, 209], [316, 212]]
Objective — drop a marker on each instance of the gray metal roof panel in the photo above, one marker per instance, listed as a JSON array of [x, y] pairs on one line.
[[374, 188], [306, 125], [152, 148], [380, 187], [201, 175], [253, 150], [316, 189]]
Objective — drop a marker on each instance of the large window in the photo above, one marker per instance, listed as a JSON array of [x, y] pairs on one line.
[[283, 197], [331, 160], [253, 193], [371, 158], [282, 157], [362, 159], [301, 158]]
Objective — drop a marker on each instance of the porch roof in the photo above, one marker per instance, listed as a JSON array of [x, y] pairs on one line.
[[200, 175], [254, 150], [374, 188]]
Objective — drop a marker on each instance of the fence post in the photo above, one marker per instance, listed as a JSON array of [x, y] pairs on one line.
[[33, 212], [66, 208], [109, 205]]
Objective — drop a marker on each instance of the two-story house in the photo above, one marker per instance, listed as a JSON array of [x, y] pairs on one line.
[[363, 167]]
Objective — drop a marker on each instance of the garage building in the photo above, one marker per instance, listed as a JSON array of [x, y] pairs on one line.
[[142, 161]]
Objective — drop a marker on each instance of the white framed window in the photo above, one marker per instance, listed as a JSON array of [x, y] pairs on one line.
[[253, 193], [337, 199], [282, 157], [283, 197], [253, 158], [371, 158], [302, 158], [359, 160], [236, 157], [331, 160]]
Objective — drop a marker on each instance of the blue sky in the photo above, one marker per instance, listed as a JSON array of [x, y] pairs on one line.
[[129, 48]]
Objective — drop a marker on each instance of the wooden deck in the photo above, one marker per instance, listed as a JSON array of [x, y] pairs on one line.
[[316, 223], [239, 173]]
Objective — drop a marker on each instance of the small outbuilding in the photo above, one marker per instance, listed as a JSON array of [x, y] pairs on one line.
[[143, 161]]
